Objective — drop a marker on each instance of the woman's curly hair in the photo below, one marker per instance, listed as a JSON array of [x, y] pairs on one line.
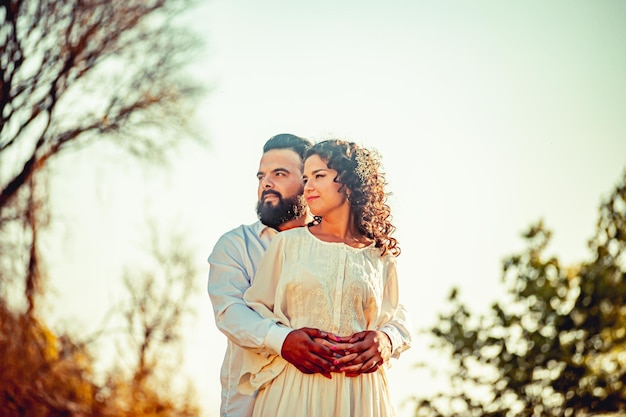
[[359, 170]]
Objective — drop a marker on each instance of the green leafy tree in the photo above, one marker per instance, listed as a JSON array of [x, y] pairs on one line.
[[556, 346]]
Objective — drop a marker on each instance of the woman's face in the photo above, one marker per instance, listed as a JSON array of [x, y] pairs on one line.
[[320, 190]]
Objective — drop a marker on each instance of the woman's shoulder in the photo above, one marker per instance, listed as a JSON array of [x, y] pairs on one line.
[[292, 234]]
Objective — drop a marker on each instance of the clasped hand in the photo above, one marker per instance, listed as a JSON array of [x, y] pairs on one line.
[[313, 351]]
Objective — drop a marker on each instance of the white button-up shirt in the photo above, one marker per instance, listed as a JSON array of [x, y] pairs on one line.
[[233, 264]]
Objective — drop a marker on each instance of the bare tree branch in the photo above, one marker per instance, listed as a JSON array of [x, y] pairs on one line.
[[73, 73], [74, 68]]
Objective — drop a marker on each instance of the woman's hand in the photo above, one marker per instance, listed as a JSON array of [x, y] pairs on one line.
[[341, 350], [372, 349]]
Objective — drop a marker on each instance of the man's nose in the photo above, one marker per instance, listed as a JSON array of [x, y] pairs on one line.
[[267, 183]]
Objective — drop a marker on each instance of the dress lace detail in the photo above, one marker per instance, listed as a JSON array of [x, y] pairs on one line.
[[305, 282]]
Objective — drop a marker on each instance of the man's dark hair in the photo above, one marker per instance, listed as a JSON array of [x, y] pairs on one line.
[[288, 141]]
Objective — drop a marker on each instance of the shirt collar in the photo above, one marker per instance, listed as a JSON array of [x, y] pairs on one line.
[[262, 229]]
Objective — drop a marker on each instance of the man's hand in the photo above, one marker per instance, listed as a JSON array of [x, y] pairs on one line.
[[310, 357], [373, 348]]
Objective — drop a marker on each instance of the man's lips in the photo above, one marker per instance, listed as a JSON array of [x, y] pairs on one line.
[[270, 195]]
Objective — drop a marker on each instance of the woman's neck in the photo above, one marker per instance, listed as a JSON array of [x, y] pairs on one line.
[[342, 231]]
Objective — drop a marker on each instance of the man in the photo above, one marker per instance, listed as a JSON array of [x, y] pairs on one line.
[[233, 264]]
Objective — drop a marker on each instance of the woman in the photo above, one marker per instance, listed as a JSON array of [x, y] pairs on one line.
[[338, 275]]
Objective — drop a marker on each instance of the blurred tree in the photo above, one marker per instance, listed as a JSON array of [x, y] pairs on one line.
[[556, 346], [73, 73], [43, 374]]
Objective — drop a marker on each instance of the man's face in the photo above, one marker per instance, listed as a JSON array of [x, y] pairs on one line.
[[280, 187]]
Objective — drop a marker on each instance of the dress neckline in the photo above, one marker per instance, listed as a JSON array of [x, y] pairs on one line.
[[338, 244]]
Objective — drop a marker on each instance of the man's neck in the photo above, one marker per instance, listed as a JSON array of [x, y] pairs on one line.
[[299, 222]]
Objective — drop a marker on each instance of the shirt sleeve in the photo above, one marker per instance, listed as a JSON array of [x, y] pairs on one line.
[[228, 280], [398, 328]]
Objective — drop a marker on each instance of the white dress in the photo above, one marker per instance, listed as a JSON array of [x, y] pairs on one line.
[[305, 282]]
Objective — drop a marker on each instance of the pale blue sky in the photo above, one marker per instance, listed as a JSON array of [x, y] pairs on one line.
[[490, 115]]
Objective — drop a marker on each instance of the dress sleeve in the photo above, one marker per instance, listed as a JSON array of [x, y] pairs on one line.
[[262, 293], [399, 331], [396, 323], [261, 367]]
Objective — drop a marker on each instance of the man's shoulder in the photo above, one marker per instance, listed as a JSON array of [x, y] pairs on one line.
[[243, 230], [238, 241]]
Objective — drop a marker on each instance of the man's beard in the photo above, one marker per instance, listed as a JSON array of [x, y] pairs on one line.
[[285, 210]]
